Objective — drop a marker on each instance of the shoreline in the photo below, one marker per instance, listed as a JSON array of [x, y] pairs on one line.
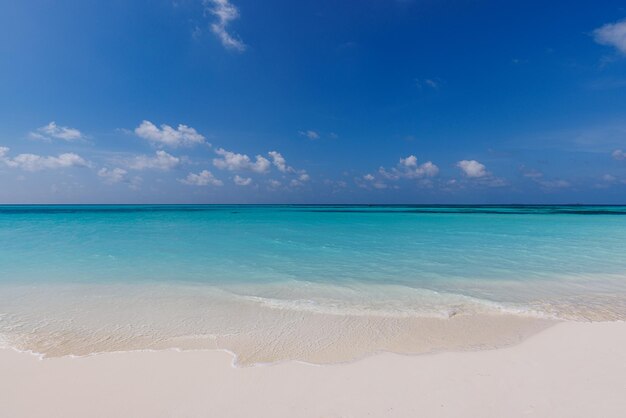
[[79, 320], [319, 339], [546, 325], [575, 369]]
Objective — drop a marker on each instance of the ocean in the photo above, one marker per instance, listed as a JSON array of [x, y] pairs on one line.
[[317, 283]]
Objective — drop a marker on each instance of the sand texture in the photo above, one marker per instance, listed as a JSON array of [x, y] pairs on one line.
[[569, 370]]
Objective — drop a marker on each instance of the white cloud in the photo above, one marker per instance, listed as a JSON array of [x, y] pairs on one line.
[[236, 162], [612, 34], [33, 162], [225, 13], [53, 131], [242, 181], [472, 168], [406, 168], [161, 161], [478, 174], [310, 134], [279, 161], [409, 168], [619, 154], [410, 161], [166, 135], [281, 164], [111, 176], [370, 181], [427, 169], [203, 178], [302, 178], [119, 175]]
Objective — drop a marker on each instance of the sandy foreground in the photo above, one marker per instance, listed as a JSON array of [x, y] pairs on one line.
[[569, 370]]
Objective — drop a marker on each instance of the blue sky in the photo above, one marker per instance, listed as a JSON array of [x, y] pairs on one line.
[[240, 101]]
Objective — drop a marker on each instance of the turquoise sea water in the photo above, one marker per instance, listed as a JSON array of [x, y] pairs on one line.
[[565, 262]]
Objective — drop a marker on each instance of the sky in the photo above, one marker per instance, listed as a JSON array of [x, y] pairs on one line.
[[370, 101]]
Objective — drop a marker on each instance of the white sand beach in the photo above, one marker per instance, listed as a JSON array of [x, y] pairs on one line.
[[572, 369]]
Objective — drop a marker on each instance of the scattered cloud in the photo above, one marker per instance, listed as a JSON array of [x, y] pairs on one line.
[[168, 136], [408, 168], [281, 164], [313, 135], [232, 161], [302, 178], [161, 161], [33, 162], [203, 178], [478, 174], [538, 177], [225, 13], [53, 131], [619, 155], [112, 176], [610, 180], [242, 181], [279, 161], [295, 183], [370, 181], [472, 168], [119, 175], [612, 34], [274, 184]]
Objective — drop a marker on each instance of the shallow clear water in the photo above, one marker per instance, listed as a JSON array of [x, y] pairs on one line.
[[565, 262]]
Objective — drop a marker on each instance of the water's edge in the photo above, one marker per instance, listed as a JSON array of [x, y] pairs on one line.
[[235, 363]]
